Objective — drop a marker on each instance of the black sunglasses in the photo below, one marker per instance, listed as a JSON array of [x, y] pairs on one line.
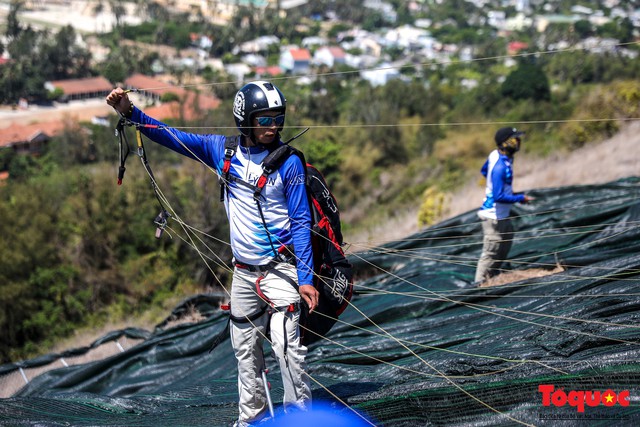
[[269, 121]]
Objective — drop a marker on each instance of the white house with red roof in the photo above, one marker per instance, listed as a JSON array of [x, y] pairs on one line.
[[295, 60], [75, 89], [330, 56], [514, 47], [31, 138]]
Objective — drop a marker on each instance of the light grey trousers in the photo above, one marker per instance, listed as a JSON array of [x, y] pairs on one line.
[[279, 285], [498, 238]]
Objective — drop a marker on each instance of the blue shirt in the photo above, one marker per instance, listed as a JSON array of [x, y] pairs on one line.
[[284, 202], [499, 195]]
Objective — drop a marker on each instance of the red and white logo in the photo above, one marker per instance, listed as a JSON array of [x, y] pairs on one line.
[[581, 398]]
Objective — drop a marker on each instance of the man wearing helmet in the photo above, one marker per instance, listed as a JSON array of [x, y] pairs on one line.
[[499, 197], [267, 285]]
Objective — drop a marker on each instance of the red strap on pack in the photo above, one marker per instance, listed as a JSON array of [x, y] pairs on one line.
[[261, 181], [326, 226], [226, 166]]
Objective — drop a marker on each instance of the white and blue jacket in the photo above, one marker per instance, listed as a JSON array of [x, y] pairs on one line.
[[499, 195], [284, 200]]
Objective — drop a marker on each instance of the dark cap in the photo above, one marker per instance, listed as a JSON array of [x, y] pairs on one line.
[[503, 134]]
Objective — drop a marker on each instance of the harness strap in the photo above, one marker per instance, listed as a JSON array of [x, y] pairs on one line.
[[262, 181], [270, 164], [250, 318], [221, 336], [257, 268], [291, 308], [284, 254], [260, 293], [230, 147], [269, 308], [125, 149]]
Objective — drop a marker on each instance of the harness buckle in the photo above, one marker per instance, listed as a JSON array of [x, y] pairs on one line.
[[161, 222], [286, 255]]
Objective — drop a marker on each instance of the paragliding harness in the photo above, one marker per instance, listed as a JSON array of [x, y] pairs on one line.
[[125, 148], [333, 273]]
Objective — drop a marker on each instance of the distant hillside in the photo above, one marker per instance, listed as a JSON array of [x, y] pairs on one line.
[[595, 163]]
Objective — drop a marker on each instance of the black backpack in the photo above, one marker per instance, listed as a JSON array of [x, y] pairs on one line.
[[333, 273]]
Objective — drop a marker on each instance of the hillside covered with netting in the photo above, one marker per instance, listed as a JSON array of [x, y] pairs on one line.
[[419, 345]]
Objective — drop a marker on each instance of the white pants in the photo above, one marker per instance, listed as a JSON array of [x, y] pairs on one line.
[[280, 286]]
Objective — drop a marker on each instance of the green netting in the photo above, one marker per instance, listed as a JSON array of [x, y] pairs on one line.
[[420, 346]]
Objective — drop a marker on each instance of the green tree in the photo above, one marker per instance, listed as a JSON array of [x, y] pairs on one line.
[[325, 155], [21, 46], [583, 28], [61, 58], [114, 71], [621, 30], [22, 167], [527, 81], [21, 79], [30, 212], [13, 24], [122, 61], [569, 67], [73, 146]]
